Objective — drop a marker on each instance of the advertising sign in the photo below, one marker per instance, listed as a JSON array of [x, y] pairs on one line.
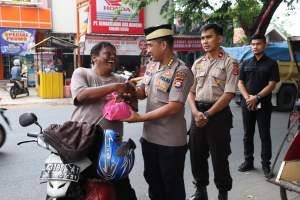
[[106, 20], [125, 45], [22, 2], [187, 44], [16, 41], [83, 22]]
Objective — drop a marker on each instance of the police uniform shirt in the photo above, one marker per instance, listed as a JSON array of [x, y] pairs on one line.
[[91, 112], [256, 75], [165, 84], [213, 77]]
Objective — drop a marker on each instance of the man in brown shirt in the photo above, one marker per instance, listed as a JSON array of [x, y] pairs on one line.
[[216, 77]]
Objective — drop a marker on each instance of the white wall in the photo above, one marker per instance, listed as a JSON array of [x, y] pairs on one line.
[[152, 14], [63, 16]]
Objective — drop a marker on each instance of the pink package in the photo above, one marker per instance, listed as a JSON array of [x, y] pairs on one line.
[[116, 110]]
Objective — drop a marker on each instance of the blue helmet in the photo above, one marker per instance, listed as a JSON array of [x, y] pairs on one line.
[[116, 158]]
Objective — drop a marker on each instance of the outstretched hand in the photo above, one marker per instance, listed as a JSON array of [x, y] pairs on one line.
[[134, 117], [136, 80]]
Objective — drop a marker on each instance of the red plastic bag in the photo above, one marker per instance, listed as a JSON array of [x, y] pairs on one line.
[[99, 191], [114, 110]]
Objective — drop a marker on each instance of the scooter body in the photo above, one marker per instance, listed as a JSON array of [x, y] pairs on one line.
[[64, 180], [2, 129], [58, 175], [18, 87]]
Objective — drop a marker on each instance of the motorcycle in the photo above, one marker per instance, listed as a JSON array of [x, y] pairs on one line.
[[18, 87], [2, 129], [77, 180]]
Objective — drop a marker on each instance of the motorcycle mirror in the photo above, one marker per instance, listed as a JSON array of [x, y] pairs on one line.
[[27, 119]]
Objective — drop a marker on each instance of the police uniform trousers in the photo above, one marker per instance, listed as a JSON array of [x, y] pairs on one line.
[[263, 118], [124, 190], [212, 139], [163, 170]]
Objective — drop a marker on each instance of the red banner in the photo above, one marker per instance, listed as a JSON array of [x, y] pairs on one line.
[[105, 20], [187, 44]]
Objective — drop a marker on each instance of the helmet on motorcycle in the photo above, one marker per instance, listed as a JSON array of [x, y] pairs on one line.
[[17, 62], [116, 158]]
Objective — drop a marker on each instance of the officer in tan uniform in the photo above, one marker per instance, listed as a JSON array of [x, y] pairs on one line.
[[216, 77], [166, 85]]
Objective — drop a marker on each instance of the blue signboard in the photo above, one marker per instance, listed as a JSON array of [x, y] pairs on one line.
[[16, 41]]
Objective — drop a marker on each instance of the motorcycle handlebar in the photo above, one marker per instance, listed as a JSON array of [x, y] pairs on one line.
[[32, 135]]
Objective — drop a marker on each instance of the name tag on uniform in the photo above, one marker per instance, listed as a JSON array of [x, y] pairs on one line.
[[162, 85], [164, 81], [199, 66]]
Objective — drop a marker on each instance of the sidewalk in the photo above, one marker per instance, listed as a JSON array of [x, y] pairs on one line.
[[32, 99]]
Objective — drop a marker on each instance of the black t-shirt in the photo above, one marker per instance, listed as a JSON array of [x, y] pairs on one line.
[[256, 75]]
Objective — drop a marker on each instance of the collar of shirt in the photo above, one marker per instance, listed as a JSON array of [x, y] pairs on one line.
[[164, 67], [264, 57], [221, 56]]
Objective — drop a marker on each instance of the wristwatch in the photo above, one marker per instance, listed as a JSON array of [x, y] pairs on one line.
[[206, 114], [258, 97]]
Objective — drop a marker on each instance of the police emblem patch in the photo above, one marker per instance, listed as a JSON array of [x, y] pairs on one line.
[[235, 69], [179, 78]]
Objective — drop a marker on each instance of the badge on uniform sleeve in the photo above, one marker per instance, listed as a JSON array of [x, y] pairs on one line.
[[221, 55], [235, 69], [179, 78]]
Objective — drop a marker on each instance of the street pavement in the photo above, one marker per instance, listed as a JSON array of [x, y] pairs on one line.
[[20, 166], [32, 100]]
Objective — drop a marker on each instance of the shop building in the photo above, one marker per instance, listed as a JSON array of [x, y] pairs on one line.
[[22, 24], [98, 21]]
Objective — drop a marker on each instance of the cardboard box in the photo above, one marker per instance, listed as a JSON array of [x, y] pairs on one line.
[[289, 171]]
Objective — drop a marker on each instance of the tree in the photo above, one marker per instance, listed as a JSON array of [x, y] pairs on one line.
[[253, 16]]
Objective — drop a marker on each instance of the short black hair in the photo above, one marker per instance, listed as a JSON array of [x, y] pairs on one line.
[[98, 47], [168, 39], [258, 37], [216, 27]]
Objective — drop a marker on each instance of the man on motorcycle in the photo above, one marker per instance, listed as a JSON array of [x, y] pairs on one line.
[[16, 74], [91, 88]]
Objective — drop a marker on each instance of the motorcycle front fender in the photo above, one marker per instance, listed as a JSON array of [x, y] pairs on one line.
[[2, 135]]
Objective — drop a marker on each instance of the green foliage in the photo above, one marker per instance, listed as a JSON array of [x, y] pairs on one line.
[[244, 13], [228, 13]]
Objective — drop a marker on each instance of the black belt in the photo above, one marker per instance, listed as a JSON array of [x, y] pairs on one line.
[[203, 106]]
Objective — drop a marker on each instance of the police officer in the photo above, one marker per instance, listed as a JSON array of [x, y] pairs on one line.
[[216, 77], [166, 85], [258, 78]]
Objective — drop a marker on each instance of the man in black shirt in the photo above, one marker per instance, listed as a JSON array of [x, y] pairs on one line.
[[258, 77]]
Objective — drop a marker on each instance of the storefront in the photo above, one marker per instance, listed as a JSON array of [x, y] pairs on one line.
[[98, 22], [20, 28], [128, 49], [188, 48]]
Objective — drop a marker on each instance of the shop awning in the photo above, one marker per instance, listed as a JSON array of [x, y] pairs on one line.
[[55, 43]]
